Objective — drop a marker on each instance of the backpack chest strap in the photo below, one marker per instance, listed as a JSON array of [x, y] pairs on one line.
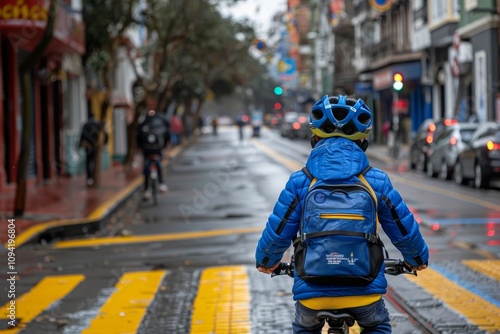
[[370, 237]]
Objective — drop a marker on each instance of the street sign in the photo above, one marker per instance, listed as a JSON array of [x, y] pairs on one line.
[[401, 106], [286, 66], [381, 5]]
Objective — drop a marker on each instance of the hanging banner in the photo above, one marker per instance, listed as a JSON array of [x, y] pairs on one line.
[[381, 5]]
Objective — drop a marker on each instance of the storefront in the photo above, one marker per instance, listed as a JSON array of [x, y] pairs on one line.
[[22, 24], [409, 103]]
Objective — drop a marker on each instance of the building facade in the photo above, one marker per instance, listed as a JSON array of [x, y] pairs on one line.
[[58, 86], [446, 51]]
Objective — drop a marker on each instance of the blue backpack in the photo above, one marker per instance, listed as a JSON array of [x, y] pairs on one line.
[[338, 242]]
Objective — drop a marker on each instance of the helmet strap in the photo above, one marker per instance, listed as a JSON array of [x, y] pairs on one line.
[[314, 140], [363, 144]]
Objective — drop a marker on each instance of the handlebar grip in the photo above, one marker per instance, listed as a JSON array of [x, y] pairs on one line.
[[284, 268], [397, 267], [408, 268]]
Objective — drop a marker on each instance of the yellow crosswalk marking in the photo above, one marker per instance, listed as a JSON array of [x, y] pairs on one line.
[[39, 298], [477, 310], [222, 304], [123, 311], [489, 268]]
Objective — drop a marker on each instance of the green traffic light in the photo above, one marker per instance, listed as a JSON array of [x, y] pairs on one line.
[[278, 90], [398, 85]]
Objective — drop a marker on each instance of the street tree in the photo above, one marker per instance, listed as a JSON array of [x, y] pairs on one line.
[[190, 50], [106, 23], [213, 58]]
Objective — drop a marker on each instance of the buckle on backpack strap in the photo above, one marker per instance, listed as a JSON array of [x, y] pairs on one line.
[[371, 238]]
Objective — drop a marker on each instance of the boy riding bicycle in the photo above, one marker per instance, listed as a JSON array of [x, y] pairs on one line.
[[340, 126]]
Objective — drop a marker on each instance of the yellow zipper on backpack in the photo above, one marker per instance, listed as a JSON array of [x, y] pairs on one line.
[[350, 216]]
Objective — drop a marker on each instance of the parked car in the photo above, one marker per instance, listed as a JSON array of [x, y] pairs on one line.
[[295, 125], [424, 138], [443, 152], [480, 159]]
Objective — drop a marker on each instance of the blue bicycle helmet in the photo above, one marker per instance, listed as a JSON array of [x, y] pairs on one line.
[[341, 117]]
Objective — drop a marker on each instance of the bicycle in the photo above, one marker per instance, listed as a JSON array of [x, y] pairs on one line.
[[153, 180], [339, 322]]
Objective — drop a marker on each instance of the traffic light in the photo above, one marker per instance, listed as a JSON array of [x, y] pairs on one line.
[[278, 90], [277, 106], [398, 81]]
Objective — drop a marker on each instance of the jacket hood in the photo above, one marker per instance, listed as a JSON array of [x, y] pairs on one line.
[[336, 158]]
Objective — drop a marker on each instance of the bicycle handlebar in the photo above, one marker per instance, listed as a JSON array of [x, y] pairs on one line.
[[393, 267], [396, 267], [285, 268]]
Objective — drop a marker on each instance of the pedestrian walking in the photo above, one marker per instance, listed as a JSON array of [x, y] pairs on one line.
[[93, 137], [241, 124], [215, 124], [176, 129]]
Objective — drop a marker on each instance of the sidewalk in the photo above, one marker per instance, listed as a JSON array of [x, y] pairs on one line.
[[67, 202]]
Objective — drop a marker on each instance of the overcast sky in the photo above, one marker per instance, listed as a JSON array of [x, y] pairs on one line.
[[259, 11]]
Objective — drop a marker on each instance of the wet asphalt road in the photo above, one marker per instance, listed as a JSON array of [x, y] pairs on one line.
[[222, 184]]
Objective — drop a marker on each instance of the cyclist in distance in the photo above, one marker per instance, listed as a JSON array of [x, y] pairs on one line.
[[152, 139], [340, 126]]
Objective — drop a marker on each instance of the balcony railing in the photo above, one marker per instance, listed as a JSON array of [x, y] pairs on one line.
[[387, 47]]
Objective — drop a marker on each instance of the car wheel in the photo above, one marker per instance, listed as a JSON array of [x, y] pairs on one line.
[[429, 170], [443, 171], [458, 174], [421, 162], [479, 179], [413, 163]]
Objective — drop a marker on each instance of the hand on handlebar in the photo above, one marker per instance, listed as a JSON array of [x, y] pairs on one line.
[[268, 270], [419, 268]]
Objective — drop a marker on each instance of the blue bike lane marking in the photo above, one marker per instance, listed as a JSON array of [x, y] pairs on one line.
[[465, 221], [469, 280]]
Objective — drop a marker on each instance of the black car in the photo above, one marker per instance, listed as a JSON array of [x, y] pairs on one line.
[[419, 149], [442, 154], [295, 125], [480, 159]]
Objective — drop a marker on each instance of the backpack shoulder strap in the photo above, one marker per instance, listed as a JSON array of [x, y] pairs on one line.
[[367, 168], [372, 192], [367, 184], [310, 176], [308, 173]]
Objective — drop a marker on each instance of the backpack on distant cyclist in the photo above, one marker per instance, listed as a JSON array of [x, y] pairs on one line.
[[150, 138], [338, 242]]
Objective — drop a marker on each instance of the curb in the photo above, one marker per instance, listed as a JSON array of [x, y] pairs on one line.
[[46, 232]]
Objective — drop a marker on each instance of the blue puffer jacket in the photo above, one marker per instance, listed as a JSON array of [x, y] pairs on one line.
[[338, 158]]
